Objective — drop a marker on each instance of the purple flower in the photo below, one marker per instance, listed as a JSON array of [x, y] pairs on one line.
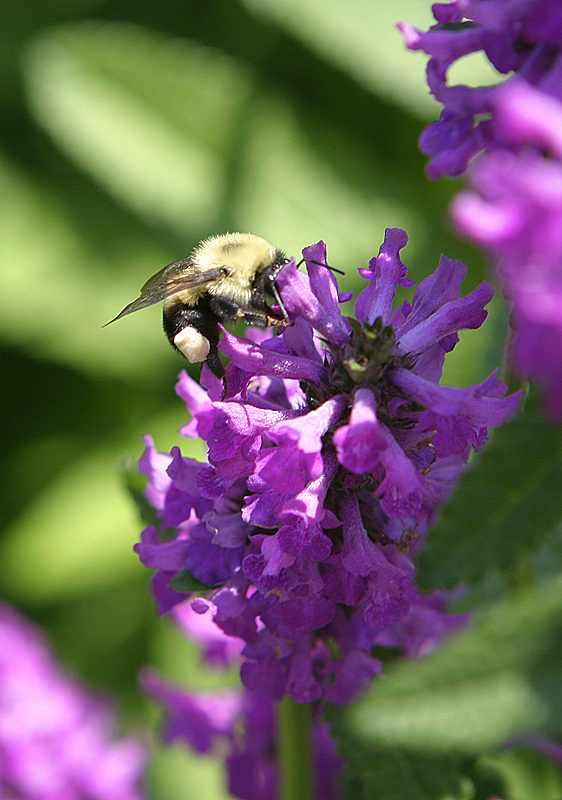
[[327, 462], [56, 741], [199, 720], [515, 213], [515, 210], [519, 36], [240, 726]]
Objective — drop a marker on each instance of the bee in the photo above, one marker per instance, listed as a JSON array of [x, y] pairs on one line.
[[227, 277]]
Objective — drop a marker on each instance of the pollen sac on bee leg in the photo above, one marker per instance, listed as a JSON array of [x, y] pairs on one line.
[[192, 344]]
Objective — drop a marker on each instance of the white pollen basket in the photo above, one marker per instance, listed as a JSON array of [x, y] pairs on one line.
[[192, 344]]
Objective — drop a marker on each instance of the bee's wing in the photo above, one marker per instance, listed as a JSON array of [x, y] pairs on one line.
[[170, 280]]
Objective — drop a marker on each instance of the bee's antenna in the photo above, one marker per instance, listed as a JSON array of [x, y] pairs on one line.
[[312, 261]]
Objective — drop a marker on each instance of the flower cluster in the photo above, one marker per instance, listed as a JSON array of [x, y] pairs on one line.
[[515, 210], [239, 726], [515, 213], [518, 36], [328, 459], [56, 741]]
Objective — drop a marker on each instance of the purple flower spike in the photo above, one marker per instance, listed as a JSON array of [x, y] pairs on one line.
[[519, 36], [327, 463], [515, 213], [515, 209], [56, 740]]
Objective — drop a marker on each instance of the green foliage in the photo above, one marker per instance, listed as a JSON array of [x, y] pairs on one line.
[[504, 508], [527, 773], [156, 138], [135, 483], [375, 772], [185, 582], [494, 681]]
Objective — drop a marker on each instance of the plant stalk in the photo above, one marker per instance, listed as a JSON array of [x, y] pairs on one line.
[[294, 758]]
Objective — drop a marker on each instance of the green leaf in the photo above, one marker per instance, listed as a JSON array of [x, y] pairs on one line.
[[396, 775], [135, 483], [504, 508], [84, 291], [361, 38], [527, 773], [374, 772], [150, 118], [174, 131], [279, 156], [77, 534], [491, 682], [185, 582]]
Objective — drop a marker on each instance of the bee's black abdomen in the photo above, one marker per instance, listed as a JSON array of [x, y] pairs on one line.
[[201, 317]]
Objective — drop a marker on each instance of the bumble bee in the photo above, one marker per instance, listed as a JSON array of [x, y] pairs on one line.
[[226, 277]]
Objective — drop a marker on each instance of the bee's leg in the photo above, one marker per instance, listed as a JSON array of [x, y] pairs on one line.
[[255, 318], [215, 365], [229, 311], [224, 309]]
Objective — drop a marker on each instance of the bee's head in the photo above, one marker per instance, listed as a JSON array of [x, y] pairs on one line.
[[265, 283]]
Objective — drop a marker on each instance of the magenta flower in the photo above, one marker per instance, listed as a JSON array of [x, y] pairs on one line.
[[327, 461], [56, 741], [519, 36], [515, 213]]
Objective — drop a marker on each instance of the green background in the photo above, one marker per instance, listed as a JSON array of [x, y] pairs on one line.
[[130, 132]]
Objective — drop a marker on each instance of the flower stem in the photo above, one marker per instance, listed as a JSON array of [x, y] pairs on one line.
[[295, 750]]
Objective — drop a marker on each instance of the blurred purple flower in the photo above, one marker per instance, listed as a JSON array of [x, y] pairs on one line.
[[56, 741], [515, 210], [240, 727], [218, 650], [327, 461], [519, 36], [515, 213]]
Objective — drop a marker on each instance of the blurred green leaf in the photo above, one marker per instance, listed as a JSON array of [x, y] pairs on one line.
[[397, 775], [496, 679], [56, 292], [503, 509], [373, 772], [361, 38], [150, 118], [176, 773], [286, 187], [78, 533], [124, 103], [527, 774]]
